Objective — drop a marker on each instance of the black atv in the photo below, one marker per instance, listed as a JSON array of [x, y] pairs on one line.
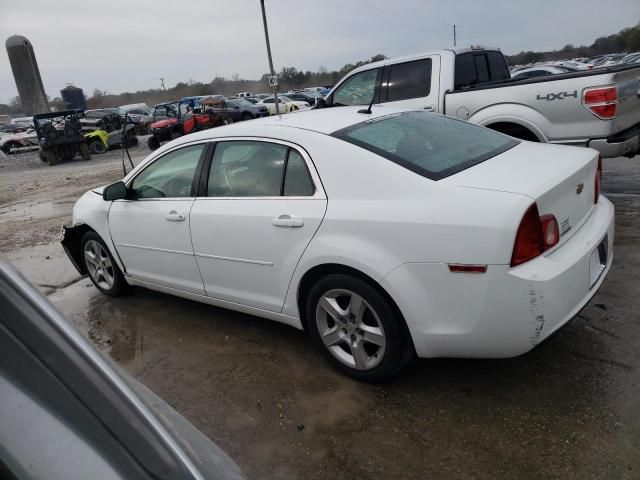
[[60, 136]]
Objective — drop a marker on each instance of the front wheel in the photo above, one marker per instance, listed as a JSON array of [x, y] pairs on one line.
[[84, 152], [101, 267], [356, 328]]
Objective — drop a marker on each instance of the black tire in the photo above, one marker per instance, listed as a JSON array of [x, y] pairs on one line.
[[97, 147], [84, 152], [120, 285], [8, 147], [246, 116], [395, 351], [153, 143], [42, 156], [52, 157]]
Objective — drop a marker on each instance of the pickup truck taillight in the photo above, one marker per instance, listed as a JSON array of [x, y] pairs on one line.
[[602, 102], [597, 180], [535, 235]]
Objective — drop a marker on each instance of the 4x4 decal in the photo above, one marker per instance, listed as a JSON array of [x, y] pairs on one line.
[[557, 96]]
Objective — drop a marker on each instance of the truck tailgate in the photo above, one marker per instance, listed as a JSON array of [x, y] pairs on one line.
[[628, 109]]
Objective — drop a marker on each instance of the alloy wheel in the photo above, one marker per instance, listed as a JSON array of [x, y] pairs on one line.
[[350, 329], [99, 265]]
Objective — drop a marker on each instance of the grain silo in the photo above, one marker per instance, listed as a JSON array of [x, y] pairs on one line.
[[27, 75]]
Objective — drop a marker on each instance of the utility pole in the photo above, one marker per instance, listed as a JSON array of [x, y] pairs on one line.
[[273, 73], [454, 35], [162, 83]]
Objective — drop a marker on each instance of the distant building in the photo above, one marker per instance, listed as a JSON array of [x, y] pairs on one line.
[[73, 98], [26, 75]]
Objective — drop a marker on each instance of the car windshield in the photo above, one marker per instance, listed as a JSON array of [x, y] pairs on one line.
[[430, 145]]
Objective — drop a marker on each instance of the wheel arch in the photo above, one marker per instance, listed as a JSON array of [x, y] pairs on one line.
[[515, 130], [315, 273]]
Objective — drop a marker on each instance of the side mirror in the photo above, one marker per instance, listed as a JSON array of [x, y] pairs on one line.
[[115, 191], [321, 103]]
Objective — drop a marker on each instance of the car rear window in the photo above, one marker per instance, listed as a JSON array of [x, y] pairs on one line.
[[430, 145]]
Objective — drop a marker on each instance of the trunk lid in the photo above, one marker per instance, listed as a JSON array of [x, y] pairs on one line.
[[558, 178]]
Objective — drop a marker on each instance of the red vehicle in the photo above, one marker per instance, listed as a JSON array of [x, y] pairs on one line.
[[174, 119]]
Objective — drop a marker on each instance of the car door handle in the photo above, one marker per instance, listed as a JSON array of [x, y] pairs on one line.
[[174, 216], [287, 221], [430, 108]]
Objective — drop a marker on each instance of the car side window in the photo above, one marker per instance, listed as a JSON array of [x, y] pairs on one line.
[[170, 176], [357, 89], [268, 100], [246, 169], [482, 68], [465, 74], [297, 181], [409, 80]]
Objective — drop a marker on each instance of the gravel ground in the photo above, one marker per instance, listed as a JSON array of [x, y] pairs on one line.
[[569, 409]]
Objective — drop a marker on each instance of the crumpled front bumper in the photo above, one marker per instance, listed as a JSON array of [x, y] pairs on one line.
[[70, 238]]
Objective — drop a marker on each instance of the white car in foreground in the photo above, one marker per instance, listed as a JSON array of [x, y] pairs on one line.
[[383, 234]]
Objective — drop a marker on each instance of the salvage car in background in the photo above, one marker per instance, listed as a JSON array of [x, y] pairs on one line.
[[240, 109], [24, 140], [67, 414], [285, 104], [383, 233]]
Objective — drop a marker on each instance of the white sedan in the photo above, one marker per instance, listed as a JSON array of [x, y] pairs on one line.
[[285, 104], [384, 235]]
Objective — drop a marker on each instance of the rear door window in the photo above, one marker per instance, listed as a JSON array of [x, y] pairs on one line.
[[465, 74], [409, 80], [497, 66]]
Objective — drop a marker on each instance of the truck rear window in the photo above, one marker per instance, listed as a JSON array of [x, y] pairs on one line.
[[430, 145]]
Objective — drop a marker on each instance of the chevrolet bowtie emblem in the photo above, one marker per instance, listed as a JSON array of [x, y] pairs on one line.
[[579, 188]]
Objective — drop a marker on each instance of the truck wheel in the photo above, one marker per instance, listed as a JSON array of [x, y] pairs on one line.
[[97, 147], [42, 156], [84, 152], [153, 143], [52, 157]]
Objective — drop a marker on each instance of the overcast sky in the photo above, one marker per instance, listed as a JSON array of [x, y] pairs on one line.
[[127, 45]]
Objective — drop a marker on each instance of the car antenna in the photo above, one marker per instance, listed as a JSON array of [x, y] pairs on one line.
[[368, 109]]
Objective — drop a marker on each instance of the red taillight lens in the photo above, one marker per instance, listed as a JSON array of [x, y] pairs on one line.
[[597, 180], [529, 239], [550, 231], [602, 102]]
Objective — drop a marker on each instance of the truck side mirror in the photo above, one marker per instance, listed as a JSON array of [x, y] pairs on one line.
[[115, 191]]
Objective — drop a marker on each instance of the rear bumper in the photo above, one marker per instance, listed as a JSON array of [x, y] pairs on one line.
[[506, 311], [625, 143]]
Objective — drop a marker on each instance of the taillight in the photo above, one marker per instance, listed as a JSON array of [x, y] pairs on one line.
[[597, 180], [602, 102], [529, 241], [550, 231], [535, 235]]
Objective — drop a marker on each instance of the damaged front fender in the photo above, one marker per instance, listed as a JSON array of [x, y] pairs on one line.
[[71, 238]]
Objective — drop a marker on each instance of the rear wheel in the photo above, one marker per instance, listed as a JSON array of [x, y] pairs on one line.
[[97, 147], [51, 157], [84, 152], [357, 329], [101, 267]]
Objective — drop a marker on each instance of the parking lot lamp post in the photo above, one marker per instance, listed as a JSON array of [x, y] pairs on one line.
[[273, 73]]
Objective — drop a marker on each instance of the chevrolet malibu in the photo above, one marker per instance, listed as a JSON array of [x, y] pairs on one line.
[[384, 234]]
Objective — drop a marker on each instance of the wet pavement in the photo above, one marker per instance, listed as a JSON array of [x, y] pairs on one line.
[[261, 391]]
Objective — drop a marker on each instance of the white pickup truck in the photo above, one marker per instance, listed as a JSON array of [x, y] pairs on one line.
[[594, 108]]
